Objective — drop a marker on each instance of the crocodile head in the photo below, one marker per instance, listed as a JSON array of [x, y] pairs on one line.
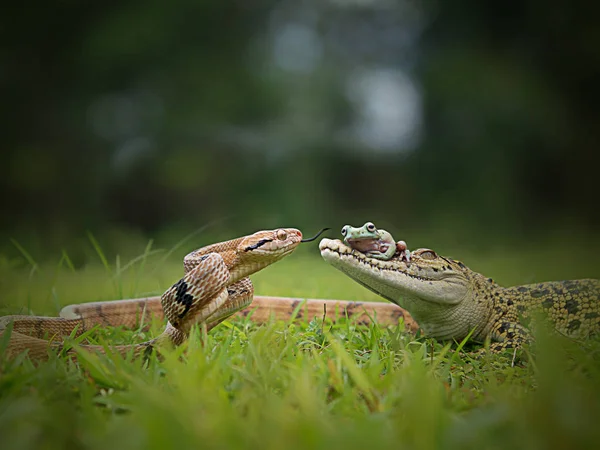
[[426, 278]]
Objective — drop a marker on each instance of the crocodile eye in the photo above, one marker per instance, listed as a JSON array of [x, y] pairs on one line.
[[428, 254], [281, 235], [370, 227], [345, 230]]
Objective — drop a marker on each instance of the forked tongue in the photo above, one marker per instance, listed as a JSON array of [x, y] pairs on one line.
[[316, 235]]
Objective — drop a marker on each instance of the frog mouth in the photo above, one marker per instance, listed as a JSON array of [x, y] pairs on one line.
[[367, 245], [380, 248]]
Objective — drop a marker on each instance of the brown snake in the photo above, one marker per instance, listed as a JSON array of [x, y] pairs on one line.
[[215, 286]]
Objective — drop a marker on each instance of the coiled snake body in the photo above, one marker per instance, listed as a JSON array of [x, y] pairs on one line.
[[215, 285]]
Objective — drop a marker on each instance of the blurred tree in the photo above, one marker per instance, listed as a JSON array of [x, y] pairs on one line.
[[510, 98], [149, 115]]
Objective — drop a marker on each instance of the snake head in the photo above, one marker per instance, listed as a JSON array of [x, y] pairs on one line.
[[269, 245]]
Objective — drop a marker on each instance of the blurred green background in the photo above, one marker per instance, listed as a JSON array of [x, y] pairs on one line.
[[452, 124]]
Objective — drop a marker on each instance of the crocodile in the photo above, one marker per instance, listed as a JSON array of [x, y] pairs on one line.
[[449, 301]]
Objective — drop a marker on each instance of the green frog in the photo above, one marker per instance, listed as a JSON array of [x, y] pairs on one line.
[[378, 244]]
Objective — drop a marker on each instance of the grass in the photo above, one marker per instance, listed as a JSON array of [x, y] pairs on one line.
[[293, 385]]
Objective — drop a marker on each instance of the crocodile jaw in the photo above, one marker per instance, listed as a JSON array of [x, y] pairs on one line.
[[399, 282]]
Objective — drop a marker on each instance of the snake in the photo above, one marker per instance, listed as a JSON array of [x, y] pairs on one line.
[[215, 285]]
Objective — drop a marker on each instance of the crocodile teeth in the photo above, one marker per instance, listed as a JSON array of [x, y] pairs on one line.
[[330, 247]]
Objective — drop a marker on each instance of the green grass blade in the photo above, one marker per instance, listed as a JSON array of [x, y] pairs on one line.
[[99, 252]]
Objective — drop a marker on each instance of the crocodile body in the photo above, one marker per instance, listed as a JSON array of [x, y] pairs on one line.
[[448, 300]]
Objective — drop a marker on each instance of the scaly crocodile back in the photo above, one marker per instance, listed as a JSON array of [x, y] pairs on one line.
[[572, 305]]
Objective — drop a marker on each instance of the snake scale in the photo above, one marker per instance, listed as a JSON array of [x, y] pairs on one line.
[[446, 298], [215, 285]]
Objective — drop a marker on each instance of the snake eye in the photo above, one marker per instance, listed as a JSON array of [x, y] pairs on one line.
[[281, 235], [428, 254], [370, 227], [345, 230]]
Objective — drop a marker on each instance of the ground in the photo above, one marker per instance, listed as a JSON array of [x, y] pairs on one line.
[[303, 385]]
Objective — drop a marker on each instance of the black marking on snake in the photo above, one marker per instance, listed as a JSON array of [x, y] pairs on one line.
[[295, 304], [101, 314], [233, 291], [148, 351], [397, 313], [258, 244], [39, 331], [58, 348], [186, 300], [316, 235], [351, 308]]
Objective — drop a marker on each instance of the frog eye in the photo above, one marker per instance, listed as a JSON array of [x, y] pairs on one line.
[[370, 226], [345, 230], [428, 254], [281, 235]]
